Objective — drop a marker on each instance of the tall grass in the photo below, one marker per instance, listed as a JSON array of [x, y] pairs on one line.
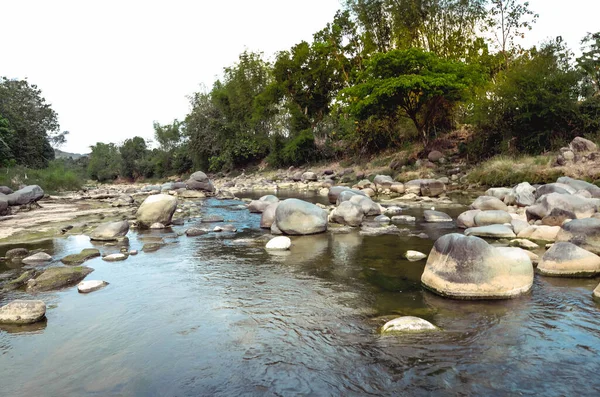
[[56, 178], [509, 171]]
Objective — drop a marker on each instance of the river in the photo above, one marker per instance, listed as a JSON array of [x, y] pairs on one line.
[[207, 316]]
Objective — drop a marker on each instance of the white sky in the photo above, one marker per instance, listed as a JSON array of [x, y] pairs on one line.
[[110, 68]]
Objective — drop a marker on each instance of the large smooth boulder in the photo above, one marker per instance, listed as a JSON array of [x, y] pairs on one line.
[[549, 188], [258, 206], [27, 195], [493, 217], [268, 216], [584, 233], [368, 206], [346, 195], [486, 203], [58, 277], [469, 268], [467, 219], [334, 192], [110, 231], [436, 216], [298, 217], [156, 208], [565, 259], [580, 185], [540, 232], [199, 181], [348, 213], [407, 324], [559, 204], [22, 312], [491, 231], [524, 194], [499, 192]]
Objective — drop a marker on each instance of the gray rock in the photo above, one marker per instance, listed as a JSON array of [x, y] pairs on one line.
[[491, 231], [499, 192], [5, 190], [199, 181], [348, 213], [403, 219], [309, 176], [469, 268], [57, 278], [297, 217], [334, 192], [258, 206], [584, 233], [85, 287], [212, 218], [565, 259], [580, 185], [379, 230], [518, 225], [269, 198], [539, 232], [582, 145], [392, 211], [383, 181], [16, 254], [156, 208], [486, 203], [110, 231], [413, 187], [36, 259], [268, 216], [414, 256], [22, 312], [436, 216], [432, 188], [493, 217], [346, 195], [382, 219], [407, 324], [566, 205], [467, 219], [3, 205], [435, 156], [27, 195], [368, 206], [553, 188], [194, 232], [524, 194]]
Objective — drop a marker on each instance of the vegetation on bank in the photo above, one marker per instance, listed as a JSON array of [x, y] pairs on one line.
[[59, 175], [379, 78]]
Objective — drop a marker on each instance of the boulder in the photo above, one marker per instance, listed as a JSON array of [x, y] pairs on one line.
[[469, 268], [435, 156], [565, 259], [57, 278], [3, 205], [382, 219], [383, 181], [413, 187], [268, 216], [491, 231], [279, 243], [397, 187], [298, 217], [258, 206], [414, 256], [432, 187], [518, 225], [85, 287], [493, 217], [582, 145], [346, 195], [563, 205], [584, 233], [194, 231], [368, 206], [553, 188], [436, 216], [157, 226], [580, 185], [78, 259], [269, 198], [524, 194], [16, 254], [334, 192], [467, 219], [309, 176], [486, 203], [348, 213], [407, 324], [5, 190], [22, 312], [110, 231], [539, 232], [499, 192], [156, 208], [199, 181], [36, 259], [27, 195]]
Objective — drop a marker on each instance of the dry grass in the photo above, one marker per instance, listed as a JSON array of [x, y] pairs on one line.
[[509, 171]]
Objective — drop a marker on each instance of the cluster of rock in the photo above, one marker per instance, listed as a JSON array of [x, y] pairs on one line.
[[580, 151]]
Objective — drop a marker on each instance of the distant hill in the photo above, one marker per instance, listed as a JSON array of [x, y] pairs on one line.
[[59, 154]]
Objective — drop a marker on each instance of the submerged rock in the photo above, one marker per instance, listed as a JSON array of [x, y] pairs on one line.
[[414, 256], [436, 216], [78, 259], [194, 231], [58, 277], [407, 324], [88, 286], [469, 268], [22, 312], [565, 259], [279, 243]]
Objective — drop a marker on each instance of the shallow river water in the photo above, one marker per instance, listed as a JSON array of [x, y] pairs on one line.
[[205, 316]]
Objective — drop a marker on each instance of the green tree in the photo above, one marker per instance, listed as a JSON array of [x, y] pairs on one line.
[[132, 152], [589, 63], [6, 135], [30, 120], [105, 162], [411, 83]]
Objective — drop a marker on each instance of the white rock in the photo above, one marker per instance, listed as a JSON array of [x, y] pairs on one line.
[[157, 225], [90, 286], [279, 243], [115, 257], [22, 312], [414, 256], [408, 324], [40, 257]]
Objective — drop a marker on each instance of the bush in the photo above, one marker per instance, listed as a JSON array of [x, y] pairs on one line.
[[509, 171], [58, 176]]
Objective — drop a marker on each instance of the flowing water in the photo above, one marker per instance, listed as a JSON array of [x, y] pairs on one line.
[[210, 316]]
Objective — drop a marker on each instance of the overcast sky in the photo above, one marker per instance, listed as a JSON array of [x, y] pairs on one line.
[[110, 68]]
